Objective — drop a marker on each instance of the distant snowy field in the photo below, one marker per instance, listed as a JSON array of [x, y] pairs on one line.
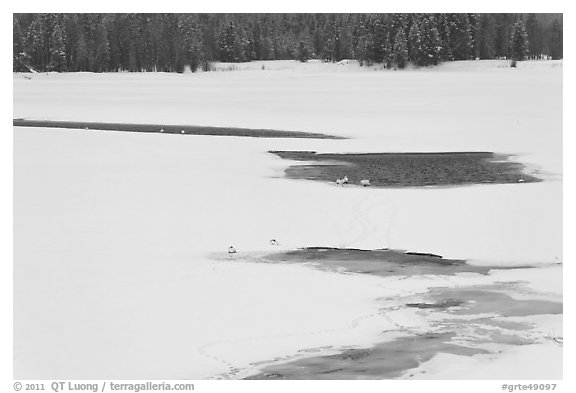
[[115, 233]]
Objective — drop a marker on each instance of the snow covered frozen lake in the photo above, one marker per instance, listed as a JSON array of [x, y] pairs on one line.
[[120, 239]]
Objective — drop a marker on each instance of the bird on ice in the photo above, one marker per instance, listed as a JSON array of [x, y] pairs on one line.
[[231, 250], [342, 181]]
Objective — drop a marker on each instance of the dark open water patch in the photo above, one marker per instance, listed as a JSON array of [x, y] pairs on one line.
[[408, 169], [383, 361], [172, 129], [472, 318], [381, 262], [489, 299], [454, 335]]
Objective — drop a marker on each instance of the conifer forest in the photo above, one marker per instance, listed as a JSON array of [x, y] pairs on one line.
[[179, 42]]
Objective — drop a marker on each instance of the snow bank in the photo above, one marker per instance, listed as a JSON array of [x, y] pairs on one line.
[[349, 65]]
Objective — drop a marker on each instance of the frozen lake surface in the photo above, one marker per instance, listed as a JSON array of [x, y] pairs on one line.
[[115, 233]]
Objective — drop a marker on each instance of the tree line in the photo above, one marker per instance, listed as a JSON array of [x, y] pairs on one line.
[[176, 42]]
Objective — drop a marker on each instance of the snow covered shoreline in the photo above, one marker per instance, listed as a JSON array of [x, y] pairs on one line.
[[123, 225]]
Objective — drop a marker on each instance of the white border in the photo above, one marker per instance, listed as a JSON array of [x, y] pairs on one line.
[[6, 143]]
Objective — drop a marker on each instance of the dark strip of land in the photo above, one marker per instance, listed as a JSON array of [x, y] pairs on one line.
[[171, 129], [389, 170]]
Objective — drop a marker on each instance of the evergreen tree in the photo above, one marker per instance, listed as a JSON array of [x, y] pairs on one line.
[[379, 39], [474, 20], [337, 46], [363, 42], [388, 52], [303, 53], [19, 57], [333, 44], [486, 37], [208, 27], [191, 41], [534, 34], [397, 22], [400, 49], [230, 49], [414, 48], [82, 62], [102, 48], [518, 42], [443, 27], [133, 58], [346, 36], [556, 49], [57, 50], [317, 32], [35, 43], [430, 44], [504, 24], [460, 37]]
